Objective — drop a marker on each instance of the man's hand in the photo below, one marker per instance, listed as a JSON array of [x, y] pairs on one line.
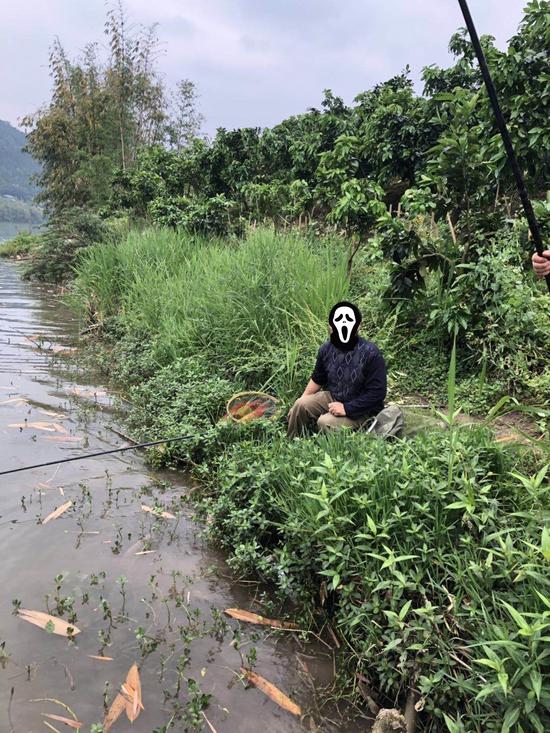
[[337, 409], [541, 265]]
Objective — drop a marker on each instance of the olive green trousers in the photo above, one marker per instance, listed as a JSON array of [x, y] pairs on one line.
[[314, 409]]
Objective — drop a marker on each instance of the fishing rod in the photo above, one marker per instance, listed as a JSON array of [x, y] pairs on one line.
[[242, 407], [96, 455], [503, 128]]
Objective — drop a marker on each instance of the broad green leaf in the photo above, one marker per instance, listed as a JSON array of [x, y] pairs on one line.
[[536, 681], [503, 680], [372, 524], [518, 618], [403, 612], [489, 663]]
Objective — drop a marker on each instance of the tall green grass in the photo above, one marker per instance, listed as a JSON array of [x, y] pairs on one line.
[[258, 308]]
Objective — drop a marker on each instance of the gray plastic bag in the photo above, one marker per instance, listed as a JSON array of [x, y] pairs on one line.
[[389, 423]]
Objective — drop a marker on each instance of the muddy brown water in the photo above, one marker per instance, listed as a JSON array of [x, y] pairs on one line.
[[140, 588]]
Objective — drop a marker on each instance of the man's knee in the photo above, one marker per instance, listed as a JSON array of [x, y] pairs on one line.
[[327, 421], [302, 403]]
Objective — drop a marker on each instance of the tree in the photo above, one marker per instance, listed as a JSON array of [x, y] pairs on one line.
[[186, 121], [100, 115]]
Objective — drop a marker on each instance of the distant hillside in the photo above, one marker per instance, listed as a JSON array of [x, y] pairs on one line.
[[16, 167]]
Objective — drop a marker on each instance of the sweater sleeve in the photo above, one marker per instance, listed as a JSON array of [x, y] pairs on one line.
[[319, 374], [371, 399]]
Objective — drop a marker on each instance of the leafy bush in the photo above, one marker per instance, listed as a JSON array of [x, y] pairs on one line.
[[64, 236], [432, 547], [22, 245], [216, 216], [414, 548]]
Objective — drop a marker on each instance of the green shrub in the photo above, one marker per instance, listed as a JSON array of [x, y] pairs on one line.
[[64, 236], [427, 543], [22, 245], [215, 216], [417, 549]]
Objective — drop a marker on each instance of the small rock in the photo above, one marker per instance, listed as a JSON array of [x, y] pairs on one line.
[[389, 720]]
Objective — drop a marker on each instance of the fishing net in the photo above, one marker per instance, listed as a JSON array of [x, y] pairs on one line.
[[248, 406]]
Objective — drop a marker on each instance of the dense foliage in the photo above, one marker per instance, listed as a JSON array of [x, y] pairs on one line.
[[420, 180], [429, 555], [176, 293], [326, 164], [102, 112], [436, 555]]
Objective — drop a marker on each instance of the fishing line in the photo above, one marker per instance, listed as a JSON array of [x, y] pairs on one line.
[[96, 455], [506, 139]]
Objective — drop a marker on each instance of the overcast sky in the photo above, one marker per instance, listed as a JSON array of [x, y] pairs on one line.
[[254, 61]]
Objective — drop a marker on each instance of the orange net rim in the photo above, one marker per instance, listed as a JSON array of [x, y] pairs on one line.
[[238, 395]]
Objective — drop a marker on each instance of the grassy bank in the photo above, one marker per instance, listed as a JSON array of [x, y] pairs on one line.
[[20, 247], [429, 556]]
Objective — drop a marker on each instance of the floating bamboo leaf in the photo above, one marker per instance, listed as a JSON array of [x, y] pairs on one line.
[[272, 692], [150, 510], [58, 512], [132, 688], [49, 623], [254, 618], [71, 723], [48, 426], [100, 658], [51, 413], [117, 706], [59, 348], [14, 401], [88, 392]]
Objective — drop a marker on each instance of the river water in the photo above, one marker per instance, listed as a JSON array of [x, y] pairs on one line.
[[139, 587]]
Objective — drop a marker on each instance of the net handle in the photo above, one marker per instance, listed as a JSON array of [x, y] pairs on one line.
[[247, 394]]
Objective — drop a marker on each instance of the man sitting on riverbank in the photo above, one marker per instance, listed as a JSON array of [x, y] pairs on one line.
[[352, 372]]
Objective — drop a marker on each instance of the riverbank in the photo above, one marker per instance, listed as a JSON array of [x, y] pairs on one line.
[[140, 586], [428, 555]]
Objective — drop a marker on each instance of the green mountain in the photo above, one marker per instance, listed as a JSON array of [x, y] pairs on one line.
[[16, 167]]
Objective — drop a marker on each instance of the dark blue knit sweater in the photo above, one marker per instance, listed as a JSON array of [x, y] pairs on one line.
[[357, 378]]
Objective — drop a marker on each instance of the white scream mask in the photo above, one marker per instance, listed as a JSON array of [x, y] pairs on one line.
[[344, 321]]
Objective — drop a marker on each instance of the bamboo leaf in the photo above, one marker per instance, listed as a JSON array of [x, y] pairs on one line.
[[71, 723], [150, 510], [117, 706], [254, 618], [48, 622], [100, 658], [132, 688], [58, 512], [272, 692]]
